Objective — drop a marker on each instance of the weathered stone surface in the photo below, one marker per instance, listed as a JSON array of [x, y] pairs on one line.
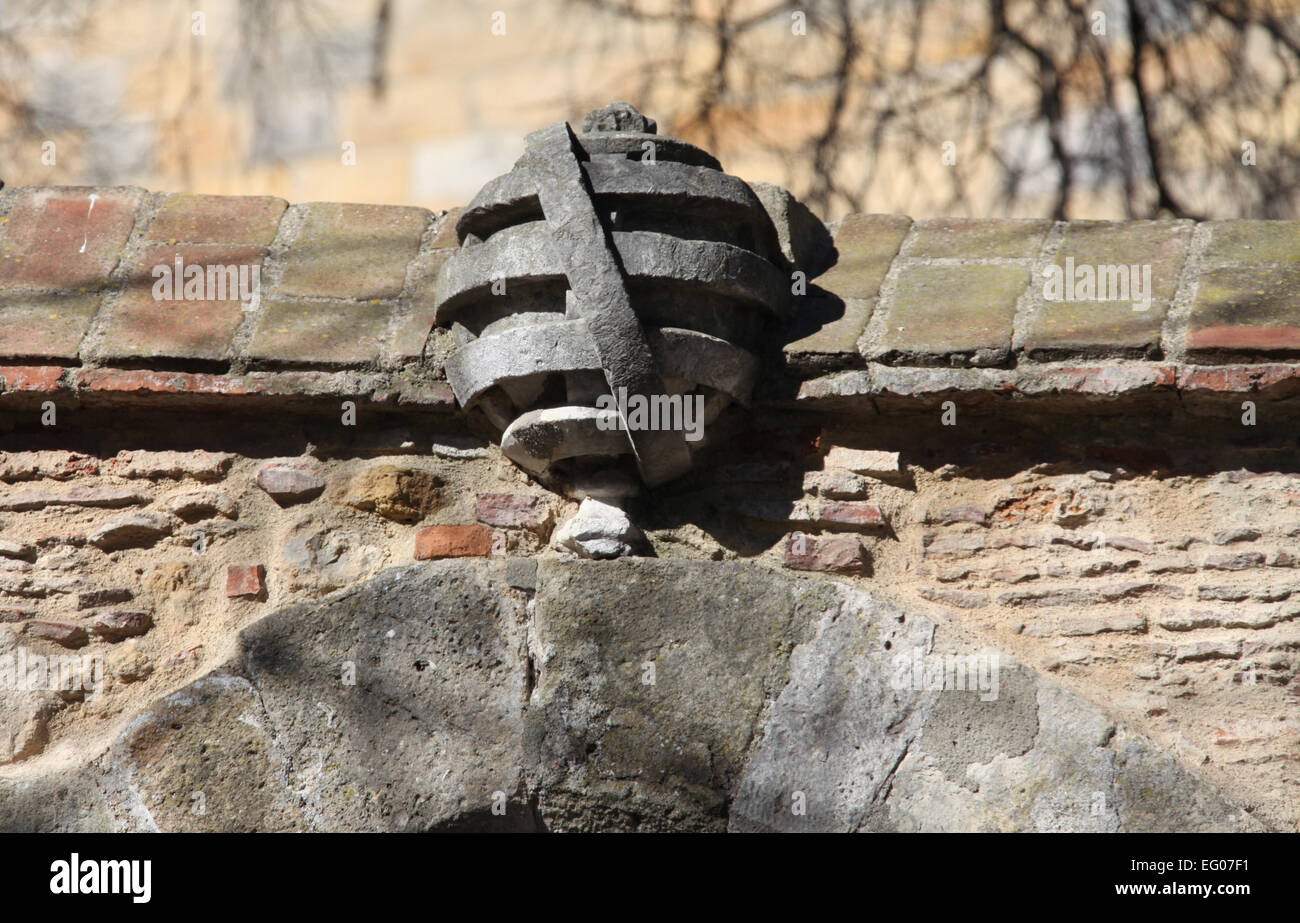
[[1240, 561], [867, 244], [142, 326], [399, 494], [66, 238], [621, 752], [864, 515], [1095, 625], [837, 485], [419, 699], [56, 464], [618, 117], [20, 551], [1009, 750], [128, 664], [962, 599], [24, 721], [1208, 650], [319, 333], [803, 239], [324, 557]]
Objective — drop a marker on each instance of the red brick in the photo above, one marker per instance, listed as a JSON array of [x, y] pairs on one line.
[[851, 514], [515, 511], [411, 330], [203, 219], [308, 383], [452, 542], [1238, 241], [245, 580], [43, 378], [36, 326], [353, 251], [978, 238], [319, 333], [955, 514], [1245, 339], [1063, 329], [46, 231], [141, 381], [141, 325], [436, 396], [1246, 311], [1235, 380], [841, 554], [867, 245], [940, 311], [1112, 380]]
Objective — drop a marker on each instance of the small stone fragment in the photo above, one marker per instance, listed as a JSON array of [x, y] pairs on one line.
[[132, 530], [21, 551], [840, 554], [598, 530], [63, 633], [195, 505], [863, 461], [290, 483], [512, 511], [94, 598], [117, 626], [128, 664]]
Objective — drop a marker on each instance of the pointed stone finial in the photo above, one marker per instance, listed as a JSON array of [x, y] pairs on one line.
[[618, 117]]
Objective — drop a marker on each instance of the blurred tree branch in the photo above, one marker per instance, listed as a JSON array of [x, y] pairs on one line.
[[1135, 108]]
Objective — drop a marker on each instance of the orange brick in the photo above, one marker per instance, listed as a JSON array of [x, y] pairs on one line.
[[245, 580], [452, 542]]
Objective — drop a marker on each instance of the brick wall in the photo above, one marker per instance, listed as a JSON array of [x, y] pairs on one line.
[[1108, 493]]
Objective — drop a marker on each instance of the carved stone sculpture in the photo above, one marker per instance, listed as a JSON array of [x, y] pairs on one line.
[[608, 302]]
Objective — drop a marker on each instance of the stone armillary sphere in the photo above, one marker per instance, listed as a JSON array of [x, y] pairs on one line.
[[609, 262]]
